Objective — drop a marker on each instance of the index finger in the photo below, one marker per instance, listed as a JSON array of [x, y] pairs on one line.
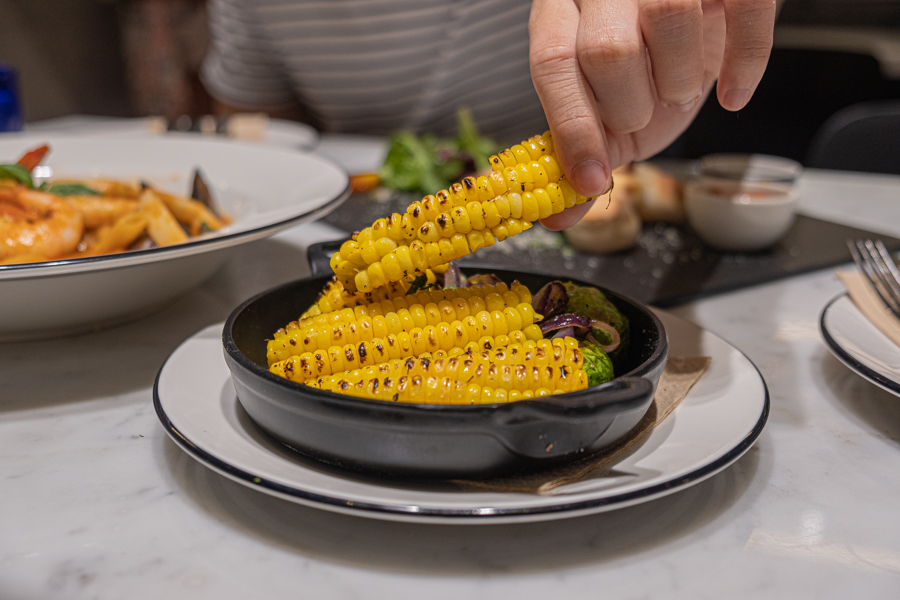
[[567, 97], [749, 30]]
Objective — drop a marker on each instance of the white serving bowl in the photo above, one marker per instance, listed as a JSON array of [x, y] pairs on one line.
[[750, 167], [263, 189], [739, 215]]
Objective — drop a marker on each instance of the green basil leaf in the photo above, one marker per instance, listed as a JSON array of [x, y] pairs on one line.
[[418, 284], [17, 173], [69, 189]]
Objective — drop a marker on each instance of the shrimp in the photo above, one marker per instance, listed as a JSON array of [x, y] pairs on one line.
[[36, 224], [100, 210]]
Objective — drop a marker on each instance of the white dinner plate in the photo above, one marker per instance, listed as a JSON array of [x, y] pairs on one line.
[[715, 424], [852, 338], [279, 132], [263, 189]]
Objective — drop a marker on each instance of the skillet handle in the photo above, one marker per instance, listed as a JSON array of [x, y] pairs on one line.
[[319, 256], [553, 426], [624, 393]]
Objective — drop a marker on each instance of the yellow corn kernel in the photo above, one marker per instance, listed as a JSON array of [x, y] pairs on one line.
[[531, 211], [525, 178], [484, 188], [520, 153], [492, 216], [545, 206], [476, 240], [457, 194]]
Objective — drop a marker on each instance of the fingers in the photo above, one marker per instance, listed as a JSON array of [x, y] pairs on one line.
[[613, 58], [567, 97], [673, 32], [749, 26], [567, 218]]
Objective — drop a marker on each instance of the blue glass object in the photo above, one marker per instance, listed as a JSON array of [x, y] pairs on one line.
[[10, 114]]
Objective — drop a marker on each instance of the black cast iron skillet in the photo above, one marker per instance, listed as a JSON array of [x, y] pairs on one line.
[[435, 441]]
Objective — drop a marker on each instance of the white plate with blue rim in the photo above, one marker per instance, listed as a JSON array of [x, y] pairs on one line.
[[263, 189], [854, 341], [716, 423]]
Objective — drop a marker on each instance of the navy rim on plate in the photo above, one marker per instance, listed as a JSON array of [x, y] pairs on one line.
[[252, 480], [850, 361]]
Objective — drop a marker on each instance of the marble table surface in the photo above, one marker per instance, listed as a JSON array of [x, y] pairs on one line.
[[97, 502]]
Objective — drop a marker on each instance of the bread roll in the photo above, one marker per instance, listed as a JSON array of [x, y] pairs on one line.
[[661, 197], [609, 226]]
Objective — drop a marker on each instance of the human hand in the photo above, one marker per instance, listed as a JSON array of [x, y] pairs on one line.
[[621, 79]]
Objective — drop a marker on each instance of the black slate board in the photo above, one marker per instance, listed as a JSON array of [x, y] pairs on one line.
[[668, 266]]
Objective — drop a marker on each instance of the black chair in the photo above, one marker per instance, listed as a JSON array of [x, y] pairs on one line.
[[862, 137]]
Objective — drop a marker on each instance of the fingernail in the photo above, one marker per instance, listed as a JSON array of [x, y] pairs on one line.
[[735, 99], [590, 178]]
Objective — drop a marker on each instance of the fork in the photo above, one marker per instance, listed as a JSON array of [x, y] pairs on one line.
[[873, 260]]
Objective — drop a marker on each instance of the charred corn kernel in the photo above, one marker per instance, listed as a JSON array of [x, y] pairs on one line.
[[428, 232], [415, 214], [457, 194], [430, 208], [470, 185], [445, 226], [451, 381], [484, 188]]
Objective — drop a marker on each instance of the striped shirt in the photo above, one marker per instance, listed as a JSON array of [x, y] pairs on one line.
[[375, 66]]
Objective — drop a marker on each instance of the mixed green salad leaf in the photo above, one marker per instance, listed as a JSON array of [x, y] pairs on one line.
[[427, 163], [592, 303], [597, 364]]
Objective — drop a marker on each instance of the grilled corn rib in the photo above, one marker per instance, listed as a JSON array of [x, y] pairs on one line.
[[365, 337], [337, 359], [466, 313], [512, 295], [479, 378], [526, 184]]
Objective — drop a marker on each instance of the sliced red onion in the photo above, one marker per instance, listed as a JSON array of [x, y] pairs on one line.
[[453, 277], [550, 300], [578, 323], [564, 332], [613, 334]]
